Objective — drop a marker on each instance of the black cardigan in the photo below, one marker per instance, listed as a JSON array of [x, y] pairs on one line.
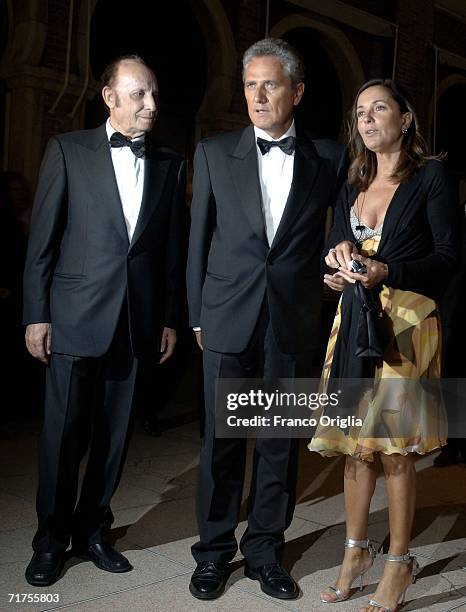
[[419, 243]]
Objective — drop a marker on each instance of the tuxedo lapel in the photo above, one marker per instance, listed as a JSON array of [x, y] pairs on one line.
[[306, 164], [155, 175], [244, 169], [100, 167]]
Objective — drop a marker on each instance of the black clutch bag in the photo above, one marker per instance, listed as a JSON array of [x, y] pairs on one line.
[[371, 333]]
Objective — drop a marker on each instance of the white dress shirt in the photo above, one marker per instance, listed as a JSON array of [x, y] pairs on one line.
[[129, 172], [275, 176]]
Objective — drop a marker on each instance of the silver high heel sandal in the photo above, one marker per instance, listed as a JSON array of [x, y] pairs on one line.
[[350, 543], [407, 558]]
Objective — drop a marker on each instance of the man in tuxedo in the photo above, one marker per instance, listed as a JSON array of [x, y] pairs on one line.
[[103, 288], [260, 198]]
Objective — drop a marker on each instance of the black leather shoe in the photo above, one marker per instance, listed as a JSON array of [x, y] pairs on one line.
[[105, 557], [275, 581], [208, 580], [44, 568]]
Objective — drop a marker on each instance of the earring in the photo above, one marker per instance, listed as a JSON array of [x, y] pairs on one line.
[[404, 130]]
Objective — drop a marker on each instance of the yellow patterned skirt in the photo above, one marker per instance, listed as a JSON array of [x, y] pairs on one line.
[[412, 354]]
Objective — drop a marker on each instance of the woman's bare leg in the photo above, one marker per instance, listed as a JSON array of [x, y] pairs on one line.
[[359, 485], [400, 475]]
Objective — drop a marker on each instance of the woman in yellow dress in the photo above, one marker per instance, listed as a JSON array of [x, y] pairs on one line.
[[396, 217]]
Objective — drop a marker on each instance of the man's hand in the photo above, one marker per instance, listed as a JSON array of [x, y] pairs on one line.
[[199, 339], [38, 338], [167, 345]]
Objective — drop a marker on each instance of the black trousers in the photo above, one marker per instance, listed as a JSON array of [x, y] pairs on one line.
[[272, 496], [87, 406]]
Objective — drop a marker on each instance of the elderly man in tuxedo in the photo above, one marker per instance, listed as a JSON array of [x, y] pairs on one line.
[[260, 198], [103, 288]]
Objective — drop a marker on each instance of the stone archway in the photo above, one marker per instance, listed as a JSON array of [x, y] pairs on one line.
[[445, 83], [449, 81], [221, 53], [82, 34], [177, 63], [338, 48], [219, 42], [33, 85], [26, 33]]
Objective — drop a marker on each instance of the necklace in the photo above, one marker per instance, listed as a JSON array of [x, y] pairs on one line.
[[360, 227]]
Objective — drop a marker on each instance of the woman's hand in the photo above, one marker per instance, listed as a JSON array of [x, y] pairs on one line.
[[376, 272], [335, 281], [340, 255]]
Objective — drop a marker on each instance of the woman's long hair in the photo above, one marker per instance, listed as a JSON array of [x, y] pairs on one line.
[[414, 152]]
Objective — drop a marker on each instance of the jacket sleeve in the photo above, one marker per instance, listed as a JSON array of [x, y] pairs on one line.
[[47, 226], [427, 274], [203, 219], [175, 267], [340, 227]]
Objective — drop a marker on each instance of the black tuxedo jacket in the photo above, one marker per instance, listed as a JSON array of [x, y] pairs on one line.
[[80, 264], [230, 265]]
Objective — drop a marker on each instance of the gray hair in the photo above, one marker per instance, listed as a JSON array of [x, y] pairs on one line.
[[288, 56]]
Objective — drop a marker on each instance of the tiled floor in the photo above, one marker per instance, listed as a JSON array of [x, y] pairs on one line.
[[155, 526]]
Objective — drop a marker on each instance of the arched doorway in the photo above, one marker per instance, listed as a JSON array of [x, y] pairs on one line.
[[450, 139], [161, 37], [334, 71], [451, 127], [320, 111]]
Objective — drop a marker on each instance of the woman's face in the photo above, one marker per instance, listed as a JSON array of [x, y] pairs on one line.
[[380, 121]]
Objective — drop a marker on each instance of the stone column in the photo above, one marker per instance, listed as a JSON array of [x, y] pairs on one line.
[[32, 87]]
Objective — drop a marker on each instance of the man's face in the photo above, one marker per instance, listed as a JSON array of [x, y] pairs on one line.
[[270, 96], [132, 99]]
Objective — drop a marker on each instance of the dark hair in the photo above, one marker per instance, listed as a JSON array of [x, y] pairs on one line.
[[291, 61], [110, 71], [414, 152]]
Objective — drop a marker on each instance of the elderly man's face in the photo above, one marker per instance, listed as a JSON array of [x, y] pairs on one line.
[[132, 99], [270, 96]]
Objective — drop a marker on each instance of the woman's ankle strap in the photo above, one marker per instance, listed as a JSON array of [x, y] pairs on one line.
[[364, 544], [406, 558]]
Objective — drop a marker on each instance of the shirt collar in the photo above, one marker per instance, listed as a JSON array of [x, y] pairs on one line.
[[111, 130], [291, 131]]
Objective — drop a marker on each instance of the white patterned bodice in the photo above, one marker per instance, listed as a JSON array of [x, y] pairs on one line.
[[367, 232]]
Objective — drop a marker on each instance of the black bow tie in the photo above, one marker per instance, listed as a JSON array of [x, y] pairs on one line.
[[287, 145], [138, 147]]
